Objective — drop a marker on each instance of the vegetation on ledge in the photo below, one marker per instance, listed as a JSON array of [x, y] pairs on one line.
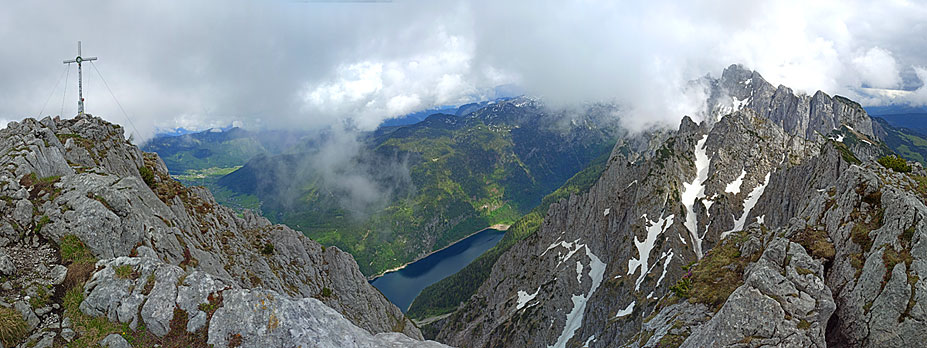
[[712, 279]]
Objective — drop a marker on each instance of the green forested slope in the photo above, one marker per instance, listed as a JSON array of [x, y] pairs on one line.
[[444, 296], [906, 142], [447, 176]]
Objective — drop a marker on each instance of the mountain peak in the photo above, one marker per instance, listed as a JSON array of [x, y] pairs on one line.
[[720, 218], [165, 251]]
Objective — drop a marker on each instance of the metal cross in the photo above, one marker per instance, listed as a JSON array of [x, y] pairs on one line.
[[80, 87]]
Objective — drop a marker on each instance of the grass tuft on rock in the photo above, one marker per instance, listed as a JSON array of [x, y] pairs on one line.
[[816, 242], [78, 273], [921, 184], [860, 236], [13, 328], [712, 280], [73, 250], [126, 272], [41, 298]]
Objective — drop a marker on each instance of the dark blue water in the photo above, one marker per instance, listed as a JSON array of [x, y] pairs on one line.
[[402, 286]]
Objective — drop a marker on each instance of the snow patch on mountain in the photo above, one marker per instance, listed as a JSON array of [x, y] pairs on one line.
[[627, 310], [694, 190], [571, 249], [666, 261], [579, 272], [740, 103], [749, 203], [654, 229], [574, 319], [734, 186], [524, 297]]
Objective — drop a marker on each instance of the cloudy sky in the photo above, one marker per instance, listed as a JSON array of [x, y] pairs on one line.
[[257, 63]]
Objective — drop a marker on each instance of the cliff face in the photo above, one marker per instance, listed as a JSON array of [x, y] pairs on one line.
[[62, 179], [741, 195]]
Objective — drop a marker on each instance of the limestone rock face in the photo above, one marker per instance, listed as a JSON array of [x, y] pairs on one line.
[[154, 292], [80, 177], [599, 270], [797, 114], [265, 318], [784, 283]]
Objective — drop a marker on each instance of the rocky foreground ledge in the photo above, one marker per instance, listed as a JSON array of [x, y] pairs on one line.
[[98, 245]]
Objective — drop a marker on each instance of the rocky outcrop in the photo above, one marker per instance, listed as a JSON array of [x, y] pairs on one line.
[[146, 291], [782, 301], [78, 177], [849, 275], [798, 114], [605, 266]]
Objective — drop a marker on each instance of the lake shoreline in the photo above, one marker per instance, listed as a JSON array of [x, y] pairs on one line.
[[498, 227]]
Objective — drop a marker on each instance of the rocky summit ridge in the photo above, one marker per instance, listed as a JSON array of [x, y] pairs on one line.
[[769, 223], [99, 245]]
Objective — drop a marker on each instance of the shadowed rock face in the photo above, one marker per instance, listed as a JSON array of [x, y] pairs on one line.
[[79, 177], [768, 166]]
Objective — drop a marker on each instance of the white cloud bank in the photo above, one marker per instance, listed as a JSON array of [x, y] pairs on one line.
[[877, 68], [307, 64]]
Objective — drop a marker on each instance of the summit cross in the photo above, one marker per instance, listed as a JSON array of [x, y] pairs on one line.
[[80, 87]]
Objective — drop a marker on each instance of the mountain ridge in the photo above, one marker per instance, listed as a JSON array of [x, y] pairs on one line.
[[168, 254], [628, 238]]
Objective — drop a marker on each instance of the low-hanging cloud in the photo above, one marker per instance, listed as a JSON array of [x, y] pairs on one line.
[[283, 64], [877, 68]]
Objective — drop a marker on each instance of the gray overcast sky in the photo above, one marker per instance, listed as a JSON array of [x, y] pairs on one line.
[[199, 63]]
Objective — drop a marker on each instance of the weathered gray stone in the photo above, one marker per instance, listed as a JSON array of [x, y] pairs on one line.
[[144, 251], [196, 289], [196, 322], [776, 305], [262, 317], [43, 311], [6, 264], [109, 207], [104, 294], [114, 341], [266, 318], [68, 335], [22, 212], [26, 310], [159, 308], [57, 274], [7, 232]]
